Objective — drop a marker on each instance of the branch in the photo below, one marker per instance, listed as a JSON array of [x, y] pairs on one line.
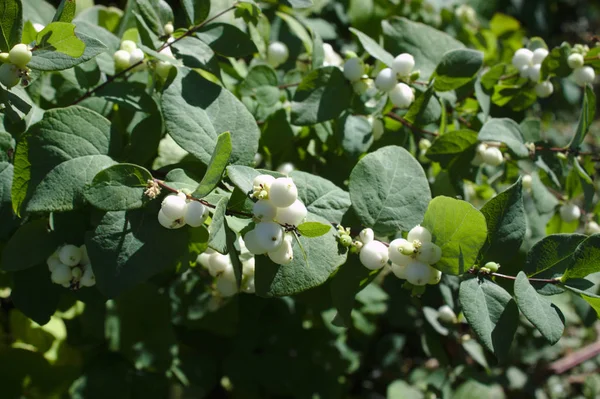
[[505, 276], [410, 125]]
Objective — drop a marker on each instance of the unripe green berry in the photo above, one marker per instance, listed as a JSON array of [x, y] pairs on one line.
[[492, 266], [345, 240], [122, 59], [9, 75], [4, 58], [128, 45], [169, 28]]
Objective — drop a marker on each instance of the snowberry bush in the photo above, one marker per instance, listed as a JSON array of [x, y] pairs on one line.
[[294, 199]]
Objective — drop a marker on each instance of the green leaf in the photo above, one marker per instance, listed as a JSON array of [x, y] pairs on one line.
[[196, 11], [459, 229], [356, 134], [196, 54], [585, 259], [220, 36], [11, 24], [47, 59], [492, 314], [389, 190], [127, 248], [451, 145], [65, 11], [506, 225], [473, 389], [60, 37], [425, 109], [218, 227], [457, 68], [540, 311], [248, 11], [313, 229], [17, 254], [196, 111], [545, 201], [588, 112], [323, 257], [428, 45], [298, 29], [118, 188], [506, 131], [34, 294], [216, 166], [321, 96], [373, 48]]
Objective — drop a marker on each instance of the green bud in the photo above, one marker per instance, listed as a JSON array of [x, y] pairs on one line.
[[492, 266], [345, 240], [415, 75]]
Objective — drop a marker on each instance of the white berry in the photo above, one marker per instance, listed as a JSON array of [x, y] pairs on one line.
[[284, 254], [534, 72], [524, 71], [169, 28], [226, 287], [402, 95], [429, 253], [269, 236], [20, 55], [122, 59], [386, 79], [264, 210], [61, 274], [419, 233], [9, 75], [163, 68], [277, 53], [293, 214], [253, 244], [263, 181], [249, 286], [446, 314], [527, 182], [53, 261], [493, 156], [202, 259], [174, 206], [378, 128], [88, 279], [399, 271], [137, 55], [354, 69], [435, 276], [522, 57], [366, 235], [403, 64], [539, 55], [168, 222], [283, 192], [219, 264], [569, 213], [76, 273], [249, 267], [195, 214], [396, 252], [374, 255], [544, 89], [584, 75], [128, 45], [418, 273], [575, 61], [592, 228], [70, 255], [286, 168]]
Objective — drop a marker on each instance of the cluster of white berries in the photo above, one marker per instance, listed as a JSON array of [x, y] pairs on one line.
[[489, 154], [411, 257], [529, 64], [401, 95], [177, 210], [277, 54], [569, 212], [277, 206], [128, 55], [70, 267], [220, 267], [14, 65], [583, 74]]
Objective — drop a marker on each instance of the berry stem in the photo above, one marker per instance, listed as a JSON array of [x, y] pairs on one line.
[[505, 276], [410, 125]]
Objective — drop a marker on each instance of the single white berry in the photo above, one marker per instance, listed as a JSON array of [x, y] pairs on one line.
[[592, 228], [399, 271], [88, 279], [366, 235], [85, 259], [122, 59], [331, 57], [253, 244], [20, 55], [386, 79], [269, 236], [264, 210], [429, 253], [424, 144], [544, 89], [373, 255], [277, 53], [219, 264], [446, 314], [418, 273], [286, 168], [168, 222], [535, 72], [10, 75], [284, 254], [137, 55], [419, 233], [53, 261], [522, 57], [163, 68], [524, 71], [263, 181], [249, 267], [283, 192], [584, 75], [493, 156], [569, 213], [169, 28], [403, 64], [539, 55], [293, 214], [61, 274], [70, 255], [396, 252], [481, 148], [575, 61], [527, 182], [401, 95], [203, 258], [174, 206], [128, 45], [76, 273], [378, 128], [354, 69], [195, 214], [226, 288], [435, 276]]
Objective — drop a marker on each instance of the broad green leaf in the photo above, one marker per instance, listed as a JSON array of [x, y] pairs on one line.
[[373, 48], [540, 311], [216, 166], [428, 45], [459, 229], [248, 11], [196, 11], [148, 12], [118, 188], [557, 62], [506, 225], [60, 37], [17, 254], [65, 11], [196, 54], [506, 131], [389, 190], [544, 200], [425, 109], [323, 257], [321, 96], [400, 389], [474, 389], [318, 54], [258, 76], [313, 229], [127, 248], [34, 294], [298, 29], [457, 68], [299, 3], [356, 134], [196, 111], [218, 227], [220, 36], [492, 314], [585, 259], [11, 24], [47, 59], [451, 145], [588, 112]]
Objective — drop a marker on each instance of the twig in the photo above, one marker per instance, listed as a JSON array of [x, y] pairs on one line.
[[576, 358], [285, 86], [410, 125], [532, 279]]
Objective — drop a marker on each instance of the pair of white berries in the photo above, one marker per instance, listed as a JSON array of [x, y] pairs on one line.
[[488, 154], [277, 54], [177, 210], [582, 74], [14, 65], [569, 212], [401, 95], [277, 205], [128, 55], [162, 68], [529, 64], [70, 267]]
